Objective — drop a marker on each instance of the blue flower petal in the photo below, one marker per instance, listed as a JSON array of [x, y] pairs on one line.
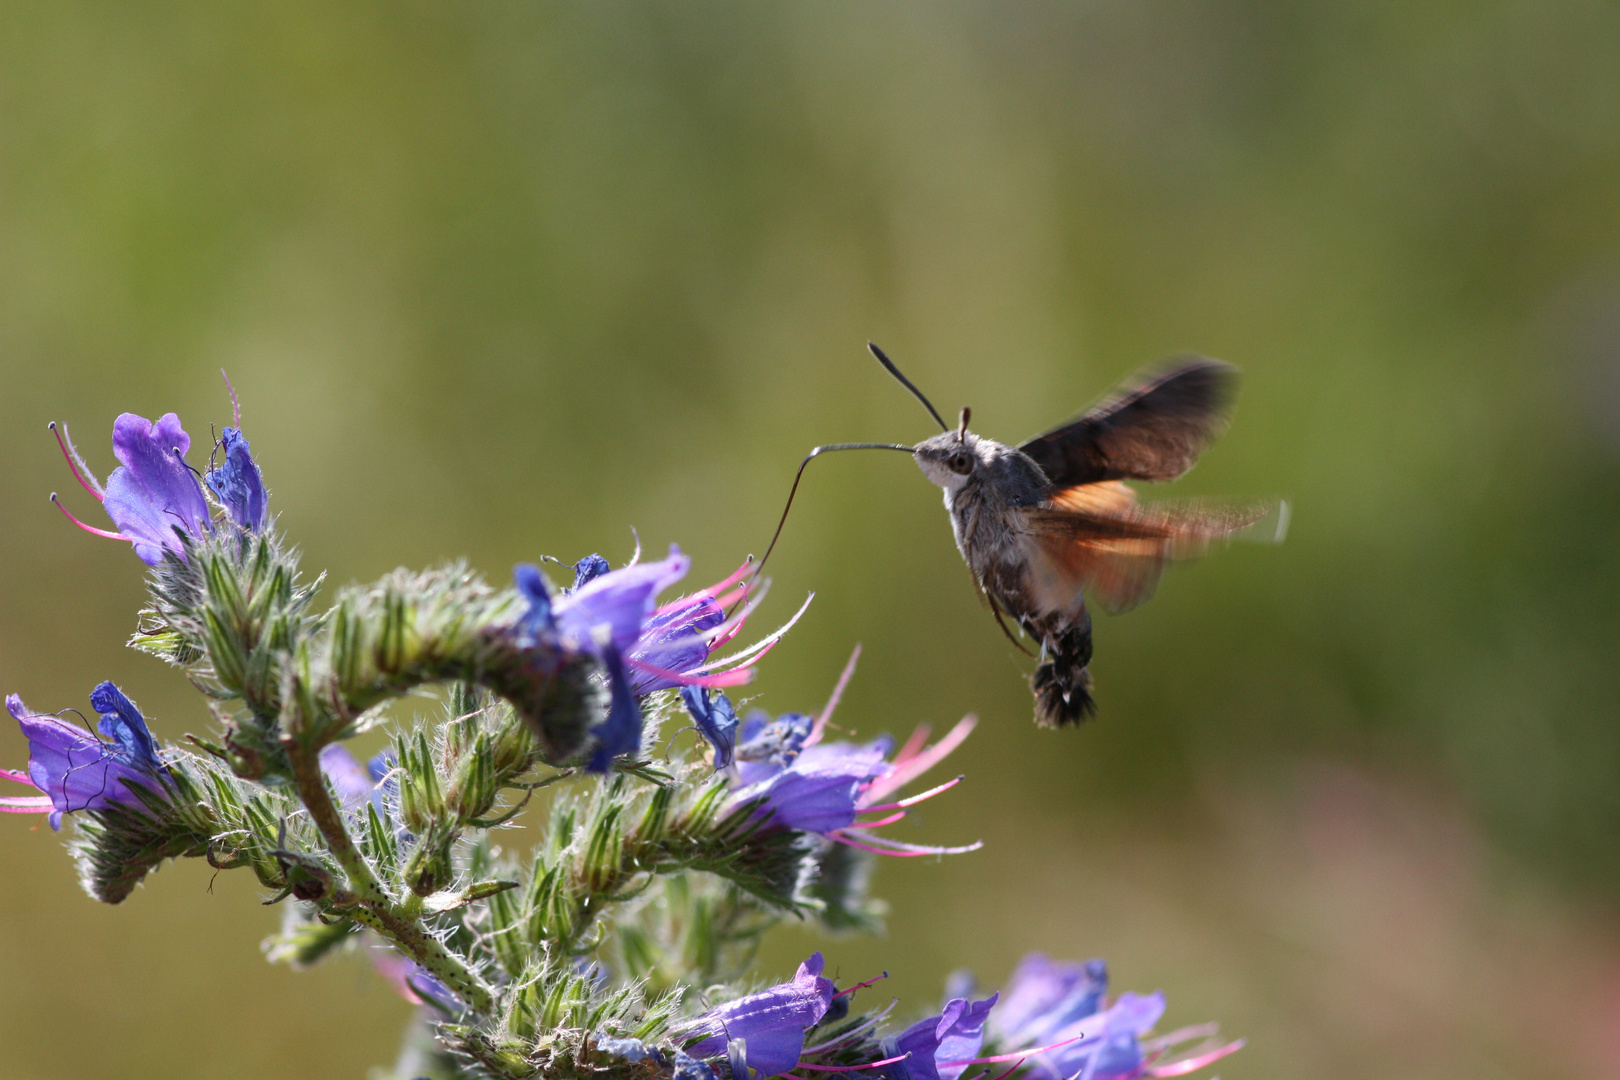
[[123, 723], [771, 1023], [716, 721], [152, 493], [237, 483], [620, 733]]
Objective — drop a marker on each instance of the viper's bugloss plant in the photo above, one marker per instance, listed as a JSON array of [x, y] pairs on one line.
[[619, 946]]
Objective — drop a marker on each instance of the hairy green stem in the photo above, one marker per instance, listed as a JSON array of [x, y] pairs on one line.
[[375, 909]]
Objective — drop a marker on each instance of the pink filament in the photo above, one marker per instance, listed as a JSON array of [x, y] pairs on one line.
[[1015, 1068], [89, 528], [862, 986], [721, 586], [735, 677], [1181, 1035], [896, 848], [852, 1068], [842, 839], [890, 820], [709, 593], [820, 726], [1192, 1064], [911, 746], [902, 773], [1017, 1055], [73, 463], [912, 800], [23, 804], [756, 650], [900, 847], [236, 409]]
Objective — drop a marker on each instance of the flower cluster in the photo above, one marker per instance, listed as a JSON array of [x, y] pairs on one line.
[[652, 875], [76, 770], [1054, 1018]]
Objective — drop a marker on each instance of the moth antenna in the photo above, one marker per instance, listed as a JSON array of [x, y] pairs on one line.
[[905, 382], [811, 456], [961, 428]]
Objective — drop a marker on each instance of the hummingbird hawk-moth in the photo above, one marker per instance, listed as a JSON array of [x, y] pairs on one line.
[[1048, 523]]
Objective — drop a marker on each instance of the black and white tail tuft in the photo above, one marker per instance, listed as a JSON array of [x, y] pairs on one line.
[[1062, 682]]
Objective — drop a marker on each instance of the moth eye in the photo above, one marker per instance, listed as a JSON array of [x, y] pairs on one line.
[[960, 462]]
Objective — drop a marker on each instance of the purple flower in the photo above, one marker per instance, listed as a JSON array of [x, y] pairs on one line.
[[357, 785], [1055, 1013], [591, 566], [620, 733], [152, 492], [798, 782], [674, 647], [716, 721], [941, 1047], [612, 609], [771, 1023], [675, 641], [774, 742], [690, 1068], [77, 771], [536, 619], [613, 616], [413, 982], [237, 483], [352, 782], [1043, 998]]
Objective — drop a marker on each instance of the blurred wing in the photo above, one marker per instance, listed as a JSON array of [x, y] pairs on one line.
[[1151, 429], [1097, 539]]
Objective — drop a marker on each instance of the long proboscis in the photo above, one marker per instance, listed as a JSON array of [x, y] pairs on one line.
[[888, 365], [808, 458]]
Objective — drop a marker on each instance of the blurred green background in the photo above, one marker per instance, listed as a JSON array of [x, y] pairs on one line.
[[505, 279]]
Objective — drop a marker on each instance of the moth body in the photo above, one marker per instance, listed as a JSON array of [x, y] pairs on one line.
[[990, 490], [1046, 523]]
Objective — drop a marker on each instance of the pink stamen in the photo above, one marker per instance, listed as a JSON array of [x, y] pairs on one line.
[[19, 777], [882, 845], [840, 838], [862, 986], [734, 677], [89, 528], [236, 409], [730, 628], [852, 1068], [890, 820], [1012, 1070], [912, 746], [721, 586], [819, 728], [1192, 1064], [758, 648], [902, 774], [1180, 1035], [1019, 1055], [912, 800], [24, 804], [731, 597], [75, 465]]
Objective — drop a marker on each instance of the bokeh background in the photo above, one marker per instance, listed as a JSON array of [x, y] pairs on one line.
[[506, 279]]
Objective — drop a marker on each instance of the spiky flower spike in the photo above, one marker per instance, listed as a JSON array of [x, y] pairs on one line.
[[661, 860]]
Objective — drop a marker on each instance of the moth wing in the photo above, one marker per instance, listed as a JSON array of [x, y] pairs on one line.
[[1097, 540], [1152, 428]]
